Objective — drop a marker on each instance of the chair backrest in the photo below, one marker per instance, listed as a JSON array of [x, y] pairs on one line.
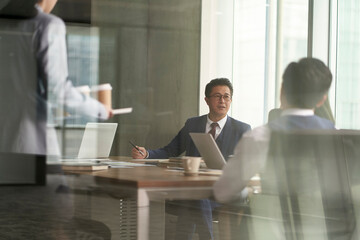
[[351, 141], [308, 170]]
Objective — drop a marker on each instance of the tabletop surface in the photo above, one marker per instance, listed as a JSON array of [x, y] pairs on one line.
[[149, 177]]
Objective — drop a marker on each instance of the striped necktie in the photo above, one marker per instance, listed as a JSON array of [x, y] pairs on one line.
[[213, 129]]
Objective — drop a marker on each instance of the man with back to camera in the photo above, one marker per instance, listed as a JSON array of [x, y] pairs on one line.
[[305, 86], [36, 80], [228, 131]]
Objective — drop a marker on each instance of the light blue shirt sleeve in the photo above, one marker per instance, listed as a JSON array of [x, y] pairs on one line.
[[61, 92]]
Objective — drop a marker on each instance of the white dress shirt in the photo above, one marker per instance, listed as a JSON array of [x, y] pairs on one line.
[[221, 123]]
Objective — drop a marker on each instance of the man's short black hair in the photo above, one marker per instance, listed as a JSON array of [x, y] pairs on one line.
[[306, 82], [218, 82]]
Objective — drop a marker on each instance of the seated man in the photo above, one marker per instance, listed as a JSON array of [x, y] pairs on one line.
[[218, 94], [227, 132], [305, 86]]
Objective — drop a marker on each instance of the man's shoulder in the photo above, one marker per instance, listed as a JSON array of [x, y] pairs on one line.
[[300, 122], [233, 122], [238, 123], [48, 19], [196, 119], [326, 123]]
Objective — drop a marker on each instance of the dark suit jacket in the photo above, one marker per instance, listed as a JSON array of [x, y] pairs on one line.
[[227, 140]]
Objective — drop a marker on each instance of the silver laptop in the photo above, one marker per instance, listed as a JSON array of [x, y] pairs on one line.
[[208, 150], [96, 142]]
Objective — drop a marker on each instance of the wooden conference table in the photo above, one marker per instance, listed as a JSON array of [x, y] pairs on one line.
[[148, 187]]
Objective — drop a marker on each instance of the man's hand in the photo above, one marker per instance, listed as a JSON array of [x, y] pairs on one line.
[[135, 153], [109, 110]]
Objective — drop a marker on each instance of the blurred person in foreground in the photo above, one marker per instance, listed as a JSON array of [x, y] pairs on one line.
[[34, 80], [305, 87], [218, 96]]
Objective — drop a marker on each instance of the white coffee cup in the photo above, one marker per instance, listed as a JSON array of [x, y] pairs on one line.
[[103, 93], [191, 165]]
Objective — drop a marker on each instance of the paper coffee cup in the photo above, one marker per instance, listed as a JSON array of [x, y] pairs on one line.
[[103, 93], [191, 165]]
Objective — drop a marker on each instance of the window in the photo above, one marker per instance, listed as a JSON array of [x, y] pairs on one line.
[[347, 65], [266, 35]]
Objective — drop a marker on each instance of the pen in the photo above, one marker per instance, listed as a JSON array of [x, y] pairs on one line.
[[136, 147]]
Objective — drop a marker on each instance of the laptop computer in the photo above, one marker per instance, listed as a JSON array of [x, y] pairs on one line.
[[208, 150], [96, 142]]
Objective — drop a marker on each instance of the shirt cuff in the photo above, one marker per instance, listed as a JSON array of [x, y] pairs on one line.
[[103, 113]]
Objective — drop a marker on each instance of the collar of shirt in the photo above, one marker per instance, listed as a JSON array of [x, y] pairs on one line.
[[38, 8], [298, 112], [221, 123]]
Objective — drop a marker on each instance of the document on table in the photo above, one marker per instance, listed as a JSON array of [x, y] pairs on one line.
[[121, 164], [122, 111]]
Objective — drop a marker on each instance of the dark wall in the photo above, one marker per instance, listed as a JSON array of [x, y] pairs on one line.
[[75, 11], [150, 53]]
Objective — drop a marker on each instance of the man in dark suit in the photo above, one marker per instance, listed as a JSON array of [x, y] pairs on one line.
[[218, 95], [227, 132]]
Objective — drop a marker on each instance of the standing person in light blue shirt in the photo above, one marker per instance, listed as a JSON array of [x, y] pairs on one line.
[[33, 78], [34, 82]]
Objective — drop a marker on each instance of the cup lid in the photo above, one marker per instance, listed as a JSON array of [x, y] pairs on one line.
[[101, 87]]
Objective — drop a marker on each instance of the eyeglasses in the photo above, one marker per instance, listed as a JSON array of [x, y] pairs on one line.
[[218, 97]]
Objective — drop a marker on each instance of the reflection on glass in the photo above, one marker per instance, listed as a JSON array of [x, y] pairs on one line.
[[348, 62]]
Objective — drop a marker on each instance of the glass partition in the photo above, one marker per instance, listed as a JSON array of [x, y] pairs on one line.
[[348, 60], [158, 55]]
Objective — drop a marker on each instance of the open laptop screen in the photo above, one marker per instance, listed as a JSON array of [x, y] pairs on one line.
[[97, 140], [208, 150]]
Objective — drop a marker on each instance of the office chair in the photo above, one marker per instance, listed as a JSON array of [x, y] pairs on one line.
[[308, 171]]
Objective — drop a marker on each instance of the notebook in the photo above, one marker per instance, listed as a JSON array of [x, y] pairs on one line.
[[208, 150], [96, 142]]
